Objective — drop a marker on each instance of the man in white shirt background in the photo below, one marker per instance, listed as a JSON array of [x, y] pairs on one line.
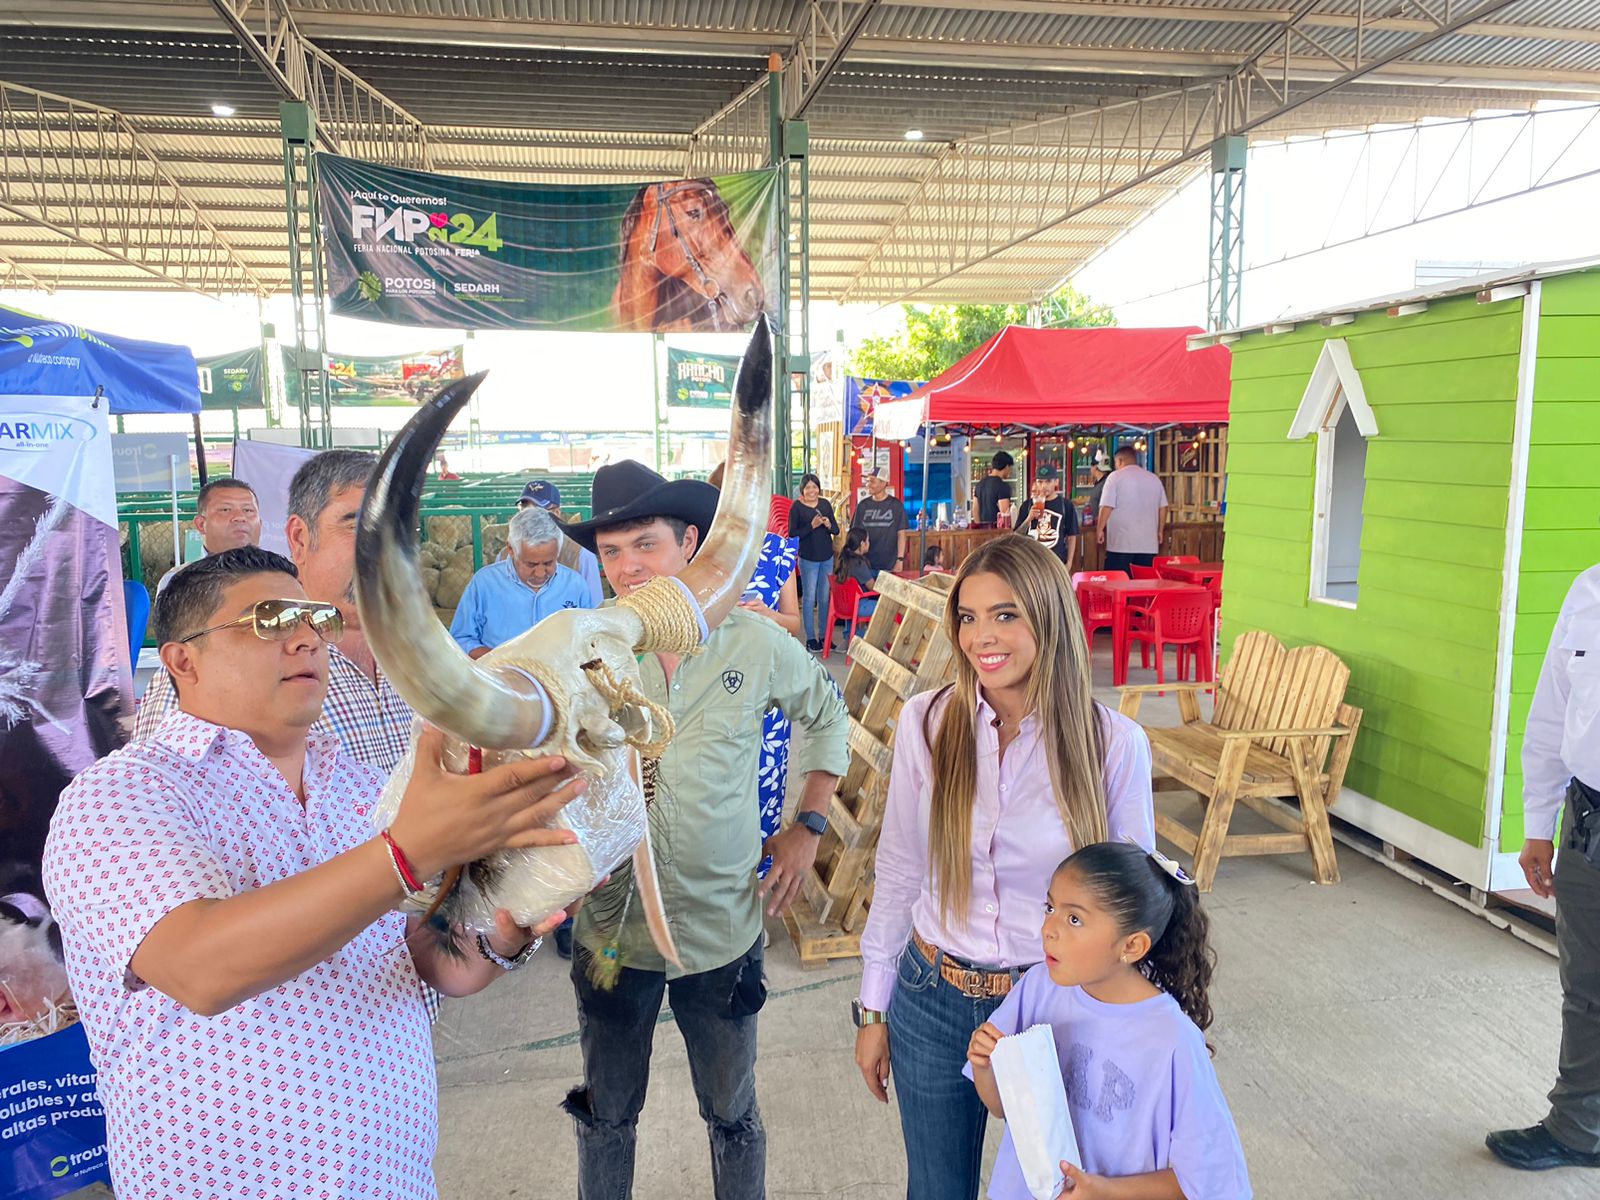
[[1561, 765], [226, 515], [1131, 522]]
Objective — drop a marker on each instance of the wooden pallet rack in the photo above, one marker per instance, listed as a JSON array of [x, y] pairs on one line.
[[904, 651]]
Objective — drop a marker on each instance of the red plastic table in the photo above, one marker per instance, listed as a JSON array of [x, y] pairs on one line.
[[1201, 573], [1121, 591]]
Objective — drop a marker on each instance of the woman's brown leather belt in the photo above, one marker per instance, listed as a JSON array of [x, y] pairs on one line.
[[972, 983]]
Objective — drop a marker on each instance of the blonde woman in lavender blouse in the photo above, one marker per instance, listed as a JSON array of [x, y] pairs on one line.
[[996, 779]]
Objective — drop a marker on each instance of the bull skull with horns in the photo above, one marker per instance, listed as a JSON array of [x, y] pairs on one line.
[[568, 686]]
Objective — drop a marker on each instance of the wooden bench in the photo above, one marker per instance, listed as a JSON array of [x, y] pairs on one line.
[[1280, 730]]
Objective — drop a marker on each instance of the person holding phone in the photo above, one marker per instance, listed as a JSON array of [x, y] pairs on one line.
[[812, 523]]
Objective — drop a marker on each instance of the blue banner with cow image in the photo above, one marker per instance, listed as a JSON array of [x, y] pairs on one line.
[[683, 255]]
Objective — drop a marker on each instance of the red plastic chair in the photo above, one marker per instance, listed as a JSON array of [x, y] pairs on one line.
[[1172, 560], [1094, 603], [844, 604], [778, 515], [1139, 572], [1183, 620]]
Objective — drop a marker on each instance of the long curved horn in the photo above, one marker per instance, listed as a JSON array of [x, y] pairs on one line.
[[727, 558], [499, 709]]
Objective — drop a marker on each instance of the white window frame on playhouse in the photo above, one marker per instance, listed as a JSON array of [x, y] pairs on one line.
[[1334, 386]]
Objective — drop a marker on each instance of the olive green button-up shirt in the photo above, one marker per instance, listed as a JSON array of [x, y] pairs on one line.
[[705, 826]]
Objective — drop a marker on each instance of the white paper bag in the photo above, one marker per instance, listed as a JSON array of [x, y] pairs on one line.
[[1034, 1096]]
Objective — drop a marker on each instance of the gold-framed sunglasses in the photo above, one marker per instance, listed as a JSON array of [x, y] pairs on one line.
[[275, 621]]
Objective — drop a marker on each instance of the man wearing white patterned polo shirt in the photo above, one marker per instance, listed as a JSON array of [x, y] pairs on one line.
[[250, 995]]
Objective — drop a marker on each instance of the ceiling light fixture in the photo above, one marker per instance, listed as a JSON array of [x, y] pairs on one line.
[[913, 135], [223, 110]]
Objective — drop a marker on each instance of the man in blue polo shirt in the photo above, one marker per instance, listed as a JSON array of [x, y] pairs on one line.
[[509, 597]]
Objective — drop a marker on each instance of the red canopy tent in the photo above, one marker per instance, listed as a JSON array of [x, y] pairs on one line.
[[1039, 379]]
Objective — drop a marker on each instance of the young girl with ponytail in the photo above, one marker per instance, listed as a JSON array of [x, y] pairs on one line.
[[1123, 986], [995, 780]]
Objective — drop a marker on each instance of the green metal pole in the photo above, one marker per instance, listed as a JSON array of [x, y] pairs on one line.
[[1226, 270], [661, 384], [300, 195], [805, 309], [782, 420]]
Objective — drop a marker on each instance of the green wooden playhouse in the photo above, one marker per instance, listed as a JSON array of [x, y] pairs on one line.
[[1414, 482]]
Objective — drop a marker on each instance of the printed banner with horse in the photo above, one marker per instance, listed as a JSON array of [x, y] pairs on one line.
[[418, 248]]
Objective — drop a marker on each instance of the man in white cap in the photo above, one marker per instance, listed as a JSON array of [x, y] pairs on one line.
[[881, 517]]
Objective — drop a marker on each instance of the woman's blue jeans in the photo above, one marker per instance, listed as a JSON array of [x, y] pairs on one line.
[[815, 579], [941, 1116]]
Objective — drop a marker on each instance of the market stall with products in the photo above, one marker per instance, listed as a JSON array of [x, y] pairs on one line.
[[1069, 398]]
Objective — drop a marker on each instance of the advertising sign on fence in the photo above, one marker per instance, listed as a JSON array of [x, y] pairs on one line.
[[399, 379], [231, 380], [426, 249], [700, 380], [142, 462]]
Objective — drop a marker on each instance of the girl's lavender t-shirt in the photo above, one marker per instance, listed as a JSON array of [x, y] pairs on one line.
[[1140, 1087]]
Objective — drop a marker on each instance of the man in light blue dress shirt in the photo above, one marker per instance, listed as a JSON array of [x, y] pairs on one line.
[[548, 497], [511, 596]]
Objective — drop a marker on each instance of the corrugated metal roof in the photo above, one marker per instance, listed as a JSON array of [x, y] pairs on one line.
[[592, 90]]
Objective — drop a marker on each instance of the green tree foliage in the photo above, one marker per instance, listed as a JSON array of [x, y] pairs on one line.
[[936, 338]]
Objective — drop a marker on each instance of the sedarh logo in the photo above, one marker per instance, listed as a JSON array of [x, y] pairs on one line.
[[37, 432]]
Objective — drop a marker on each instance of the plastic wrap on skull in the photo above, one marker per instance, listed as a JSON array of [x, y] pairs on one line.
[[608, 818]]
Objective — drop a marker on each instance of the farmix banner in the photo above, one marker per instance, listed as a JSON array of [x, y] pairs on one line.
[[419, 248]]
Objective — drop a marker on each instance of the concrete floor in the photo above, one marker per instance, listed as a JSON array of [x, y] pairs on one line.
[[1368, 1035]]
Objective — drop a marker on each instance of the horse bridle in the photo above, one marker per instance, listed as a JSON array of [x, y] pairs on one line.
[[713, 291]]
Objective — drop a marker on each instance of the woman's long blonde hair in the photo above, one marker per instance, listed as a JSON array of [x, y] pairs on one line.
[[1058, 695]]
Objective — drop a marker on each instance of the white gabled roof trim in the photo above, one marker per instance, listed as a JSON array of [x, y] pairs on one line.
[[1334, 374], [1457, 287], [1508, 291]]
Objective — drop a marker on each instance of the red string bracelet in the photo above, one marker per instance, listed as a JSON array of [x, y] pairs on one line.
[[401, 863]]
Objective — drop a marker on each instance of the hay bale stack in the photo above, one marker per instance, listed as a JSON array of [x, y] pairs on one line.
[[494, 541], [453, 578], [450, 532]]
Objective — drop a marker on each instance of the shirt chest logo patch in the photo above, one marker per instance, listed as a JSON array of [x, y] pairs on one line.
[[732, 681]]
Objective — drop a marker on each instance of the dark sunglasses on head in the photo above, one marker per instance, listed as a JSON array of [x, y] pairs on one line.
[[275, 621]]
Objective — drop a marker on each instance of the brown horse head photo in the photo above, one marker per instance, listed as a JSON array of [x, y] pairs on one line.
[[683, 268]]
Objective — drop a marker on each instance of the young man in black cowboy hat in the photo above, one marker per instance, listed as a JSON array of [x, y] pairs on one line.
[[705, 827]]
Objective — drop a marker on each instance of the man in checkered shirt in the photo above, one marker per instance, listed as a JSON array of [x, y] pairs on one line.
[[362, 710], [250, 994]]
